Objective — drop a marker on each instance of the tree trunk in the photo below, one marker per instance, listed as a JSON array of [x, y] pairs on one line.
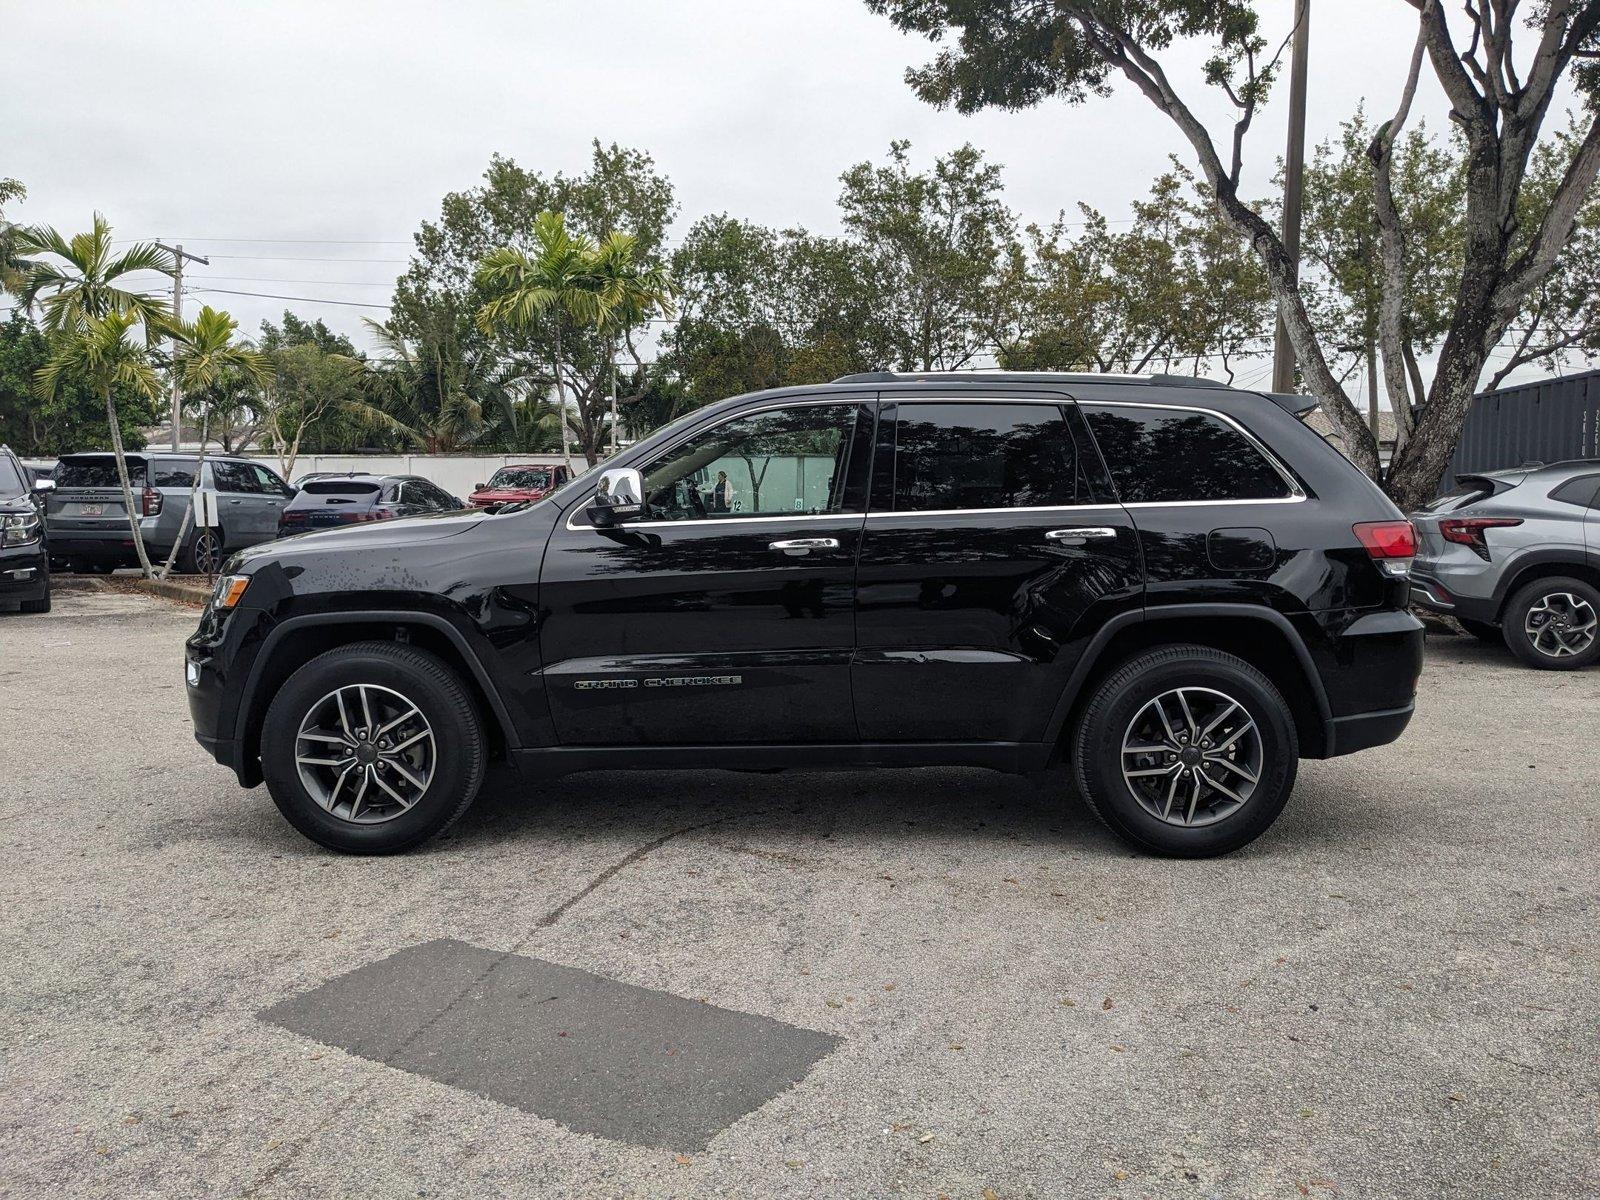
[[127, 488], [194, 493]]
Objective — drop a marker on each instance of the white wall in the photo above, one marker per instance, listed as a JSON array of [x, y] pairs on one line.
[[457, 474]]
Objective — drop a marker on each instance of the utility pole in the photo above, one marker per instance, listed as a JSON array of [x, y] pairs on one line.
[[178, 255], [1293, 181]]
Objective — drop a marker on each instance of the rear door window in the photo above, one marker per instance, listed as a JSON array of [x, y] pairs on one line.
[[233, 477], [1167, 456], [984, 456]]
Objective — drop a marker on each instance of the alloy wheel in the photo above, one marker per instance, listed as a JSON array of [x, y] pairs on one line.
[[1192, 756], [365, 753], [207, 552], [1560, 625]]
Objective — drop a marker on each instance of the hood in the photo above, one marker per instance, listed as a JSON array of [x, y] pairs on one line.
[[376, 535], [509, 493]]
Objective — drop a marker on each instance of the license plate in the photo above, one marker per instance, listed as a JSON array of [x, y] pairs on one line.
[[91, 510]]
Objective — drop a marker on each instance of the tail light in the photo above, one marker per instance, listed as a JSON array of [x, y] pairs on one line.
[[292, 516], [150, 503], [1391, 545], [1468, 531], [371, 514]]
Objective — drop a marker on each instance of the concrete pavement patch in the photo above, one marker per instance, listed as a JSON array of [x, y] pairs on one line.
[[600, 1057]]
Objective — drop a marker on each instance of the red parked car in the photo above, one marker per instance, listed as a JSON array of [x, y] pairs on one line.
[[516, 485]]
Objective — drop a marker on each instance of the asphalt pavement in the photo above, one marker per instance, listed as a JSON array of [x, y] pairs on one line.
[[921, 983]]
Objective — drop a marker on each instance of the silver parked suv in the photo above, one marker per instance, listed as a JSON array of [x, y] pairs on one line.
[[89, 524], [1516, 555]]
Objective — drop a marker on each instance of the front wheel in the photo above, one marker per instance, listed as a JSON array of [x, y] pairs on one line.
[[1554, 624], [372, 748], [1186, 751]]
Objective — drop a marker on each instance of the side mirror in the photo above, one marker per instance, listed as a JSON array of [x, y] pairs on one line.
[[618, 497], [290, 491], [41, 486], [477, 487]]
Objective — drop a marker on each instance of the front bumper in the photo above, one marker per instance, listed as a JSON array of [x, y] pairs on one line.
[[24, 572]]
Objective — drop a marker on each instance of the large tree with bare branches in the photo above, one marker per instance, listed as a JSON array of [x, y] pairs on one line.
[[1500, 63]]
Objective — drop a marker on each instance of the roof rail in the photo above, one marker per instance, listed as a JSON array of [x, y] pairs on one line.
[[987, 376]]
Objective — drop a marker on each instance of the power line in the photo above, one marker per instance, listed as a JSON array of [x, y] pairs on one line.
[[297, 258], [299, 299]]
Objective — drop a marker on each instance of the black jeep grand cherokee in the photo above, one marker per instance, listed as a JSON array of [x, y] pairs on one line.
[[1173, 585]]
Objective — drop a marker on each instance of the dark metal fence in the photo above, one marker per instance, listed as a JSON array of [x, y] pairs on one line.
[[1547, 421]]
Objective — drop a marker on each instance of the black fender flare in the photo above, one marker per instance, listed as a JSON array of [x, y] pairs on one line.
[[1173, 612], [393, 616], [1555, 556]]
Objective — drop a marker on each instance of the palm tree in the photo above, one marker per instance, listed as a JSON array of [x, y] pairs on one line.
[[601, 288], [99, 354], [557, 280], [90, 282], [204, 354], [13, 268]]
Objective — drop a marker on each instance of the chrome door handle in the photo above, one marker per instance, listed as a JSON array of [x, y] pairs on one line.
[[804, 545], [1081, 534]]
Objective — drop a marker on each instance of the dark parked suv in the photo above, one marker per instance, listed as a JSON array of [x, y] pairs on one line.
[[328, 501], [1172, 585], [24, 550]]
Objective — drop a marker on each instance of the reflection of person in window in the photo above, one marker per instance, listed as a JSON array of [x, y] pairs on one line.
[[722, 494]]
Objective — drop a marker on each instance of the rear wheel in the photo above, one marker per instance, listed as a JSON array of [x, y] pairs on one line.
[[372, 748], [203, 555], [1186, 751], [1484, 631], [1554, 624]]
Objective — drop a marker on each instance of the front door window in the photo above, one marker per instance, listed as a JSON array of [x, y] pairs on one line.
[[780, 462]]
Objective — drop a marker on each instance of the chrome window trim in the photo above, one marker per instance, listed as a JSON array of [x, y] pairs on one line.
[[1296, 492], [1296, 496]]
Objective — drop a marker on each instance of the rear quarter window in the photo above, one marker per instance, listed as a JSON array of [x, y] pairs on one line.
[[175, 472], [1169, 456], [1580, 491]]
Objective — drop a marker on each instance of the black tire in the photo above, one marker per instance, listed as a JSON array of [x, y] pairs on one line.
[[205, 552], [1124, 697], [427, 683], [1484, 631], [42, 604], [1558, 595]]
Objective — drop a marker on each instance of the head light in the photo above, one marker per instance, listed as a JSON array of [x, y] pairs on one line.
[[230, 590], [19, 529]]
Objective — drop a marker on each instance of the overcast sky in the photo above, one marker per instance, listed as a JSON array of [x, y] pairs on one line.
[[236, 127]]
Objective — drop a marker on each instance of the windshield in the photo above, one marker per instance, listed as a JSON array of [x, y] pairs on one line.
[[98, 471], [11, 480], [520, 477]]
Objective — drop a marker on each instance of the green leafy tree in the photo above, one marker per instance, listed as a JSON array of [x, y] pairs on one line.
[[99, 353], [1342, 273], [74, 418], [1014, 54], [314, 399], [1172, 291], [205, 354], [621, 191], [84, 278], [935, 242]]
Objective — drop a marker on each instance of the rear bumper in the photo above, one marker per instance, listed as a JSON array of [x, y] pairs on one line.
[[1430, 592], [1369, 666]]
